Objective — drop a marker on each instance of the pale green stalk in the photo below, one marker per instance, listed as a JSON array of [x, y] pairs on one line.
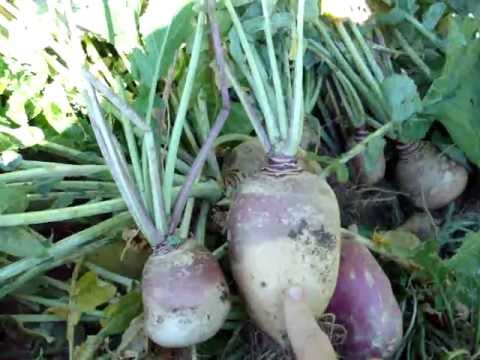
[[252, 116], [59, 304], [377, 71], [181, 113], [357, 59], [53, 171], [71, 154], [202, 125], [44, 318], [155, 183], [66, 247], [68, 213], [201, 225], [357, 149], [412, 54], [187, 218], [110, 276], [262, 97], [296, 125], [277, 83], [127, 126]]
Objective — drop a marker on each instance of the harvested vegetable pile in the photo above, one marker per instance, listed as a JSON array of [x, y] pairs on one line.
[[170, 171]]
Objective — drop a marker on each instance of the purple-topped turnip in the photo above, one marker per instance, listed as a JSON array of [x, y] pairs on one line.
[[364, 304], [284, 223], [185, 296]]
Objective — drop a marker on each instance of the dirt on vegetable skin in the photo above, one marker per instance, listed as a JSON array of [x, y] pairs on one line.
[[283, 230], [185, 296]]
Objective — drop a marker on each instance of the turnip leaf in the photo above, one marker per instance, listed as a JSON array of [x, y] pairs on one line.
[[466, 266], [454, 97], [237, 122], [154, 36], [401, 96], [122, 313], [22, 242]]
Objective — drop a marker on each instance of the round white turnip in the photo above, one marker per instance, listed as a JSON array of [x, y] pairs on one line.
[[185, 296], [430, 178]]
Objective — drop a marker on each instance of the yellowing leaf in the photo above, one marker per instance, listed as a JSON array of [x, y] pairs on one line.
[[90, 292]]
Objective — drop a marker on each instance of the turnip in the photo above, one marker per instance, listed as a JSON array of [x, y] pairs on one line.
[[362, 173], [429, 177], [243, 161], [185, 296], [364, 304], [284, 223], [249, 157]]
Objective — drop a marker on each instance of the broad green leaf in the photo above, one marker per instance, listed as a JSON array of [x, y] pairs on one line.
[[12, 200], [415, 128], [454, 97], [21, 241], [90, 291], [373, 152], [237, 122], [154, 30], [449, 149], [401, 96], [465, 265], [122, 313]]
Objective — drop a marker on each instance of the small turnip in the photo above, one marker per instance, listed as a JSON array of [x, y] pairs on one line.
[[243, 161], [185, 296], [430, 179], [364, 304], [363, 175], [284, 230]]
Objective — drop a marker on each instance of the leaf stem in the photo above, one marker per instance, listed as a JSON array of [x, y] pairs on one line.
[[377, 71], [68, 213], [296, 125], [51, 172], [59, 304], [280, 99], [67, 247], [250, 110], [217, 125], [257, 81], [124, 108], [119, 169], [201, 225], [181, 114], [357, 59], [412, 54], [71, 154], [110, 276], [357, 149]]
